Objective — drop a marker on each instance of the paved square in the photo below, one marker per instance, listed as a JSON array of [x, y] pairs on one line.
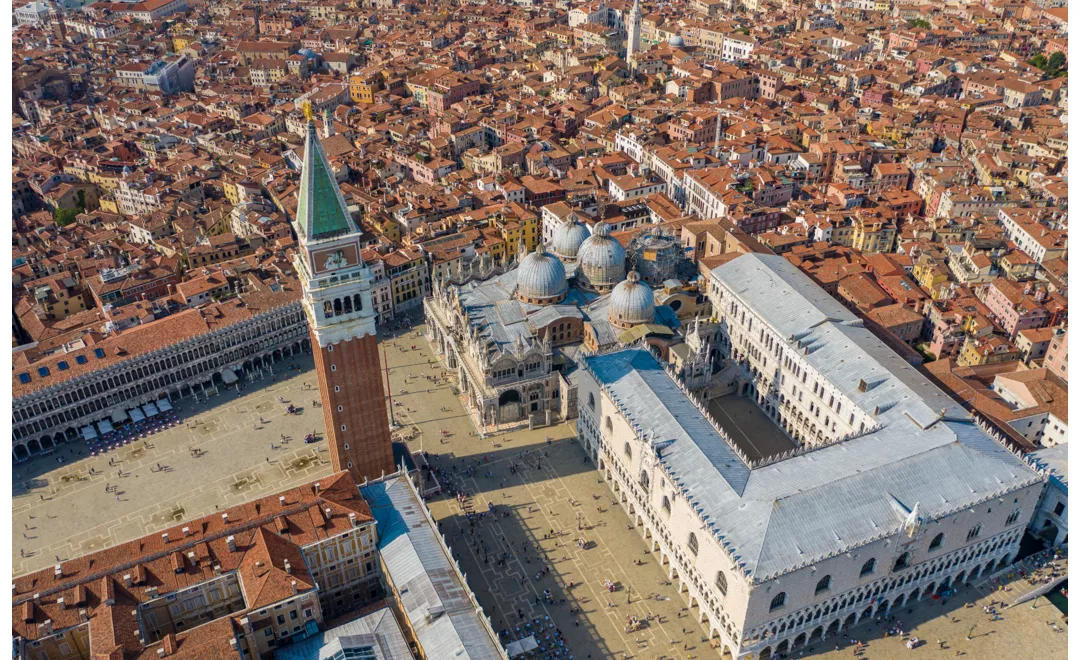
[[552, 489], [62, 512]]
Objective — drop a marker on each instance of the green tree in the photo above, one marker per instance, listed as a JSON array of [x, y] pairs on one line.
[[80, 203], [1039, 61], [1056, 62], [64, 217], [918, 23]]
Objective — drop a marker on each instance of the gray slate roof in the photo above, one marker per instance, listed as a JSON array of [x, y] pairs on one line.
[[437, 603], [794, 512]]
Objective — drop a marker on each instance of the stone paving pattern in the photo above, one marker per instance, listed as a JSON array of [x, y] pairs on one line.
[[554, 492]]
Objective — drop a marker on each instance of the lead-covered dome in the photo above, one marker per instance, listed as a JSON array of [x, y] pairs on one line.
[[631, 303], [541, 278], [601, 260], [568, 237]]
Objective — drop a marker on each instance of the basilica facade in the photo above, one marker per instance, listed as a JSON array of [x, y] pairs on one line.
[[512, 339]]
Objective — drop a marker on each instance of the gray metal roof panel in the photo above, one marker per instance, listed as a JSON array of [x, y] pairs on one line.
[[772, 518], [437, 603]]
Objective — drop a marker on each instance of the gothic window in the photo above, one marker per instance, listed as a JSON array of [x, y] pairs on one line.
[[974, 532], [778, 601], [337, 306], [358, 302], [348, 305], [692, 544], [936, 543], [610, 429], [592, 401], [328, 309], [626, 450], [643, 479], [823, 584], [902, 562], [721, 582], [665, 504]]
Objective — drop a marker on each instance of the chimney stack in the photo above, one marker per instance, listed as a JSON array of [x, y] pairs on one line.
[[231, 543], [225, 518], [295, 590], [288, 567], [165, 538]]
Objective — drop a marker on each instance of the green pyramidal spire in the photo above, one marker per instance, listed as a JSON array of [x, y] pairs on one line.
[[321, 211]]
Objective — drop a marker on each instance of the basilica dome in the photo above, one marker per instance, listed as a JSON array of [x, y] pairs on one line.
[[541, 278], [568, 237], [631, 302], [601, 260]]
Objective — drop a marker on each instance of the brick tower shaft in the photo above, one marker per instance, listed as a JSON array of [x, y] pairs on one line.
[[341, 318]]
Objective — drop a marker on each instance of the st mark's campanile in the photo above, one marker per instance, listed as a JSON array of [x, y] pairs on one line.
[[341, 318]]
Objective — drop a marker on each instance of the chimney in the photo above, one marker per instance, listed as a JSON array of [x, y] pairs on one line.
[[165, 537], [281, 501], [317, 487], [127, 579], [288, 567], [61, 603], [295, 589], [231, 543], [186, 531], [225, 518], [58, 571], [169, 644], [352, 519]]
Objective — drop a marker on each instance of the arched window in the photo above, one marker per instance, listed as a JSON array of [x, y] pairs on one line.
[[328, 309], [902, 561], [868, 568], [643, 479], [823, 584], [691, 543], [337, 305], [936, 543], [627, 450], [721, 582], [778, 601], [348, 305], [974, 532], [665, 504], [358, 302], [592, 401], [608, 426], [1012, 517]]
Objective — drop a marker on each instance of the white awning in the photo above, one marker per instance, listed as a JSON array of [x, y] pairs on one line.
[[105, 426], [164, 405], [150, 410], [520, 646], [228, 376], [119, 416], [88, 432], [136, 415]]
